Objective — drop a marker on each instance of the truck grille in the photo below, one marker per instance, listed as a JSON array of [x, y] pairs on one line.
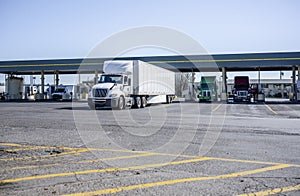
[[100, 92], [242, 93]]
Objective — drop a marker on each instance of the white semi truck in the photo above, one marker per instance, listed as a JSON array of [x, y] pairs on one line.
[[132, 83]]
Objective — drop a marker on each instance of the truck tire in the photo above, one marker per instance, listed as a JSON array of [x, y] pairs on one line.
[[121, 103], [169, 99], [92, 106], [143, 102], [138, 102]]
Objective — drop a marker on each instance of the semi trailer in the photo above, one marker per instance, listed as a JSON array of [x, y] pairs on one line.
[[132, 83], [208, 89]]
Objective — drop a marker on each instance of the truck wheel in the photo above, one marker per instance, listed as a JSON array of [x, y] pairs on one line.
[[92, 106], [144, 102], [167, 99], [121, 104], [138, 102]]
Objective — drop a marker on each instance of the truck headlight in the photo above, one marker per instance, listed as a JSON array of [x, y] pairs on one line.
[[113, 95]]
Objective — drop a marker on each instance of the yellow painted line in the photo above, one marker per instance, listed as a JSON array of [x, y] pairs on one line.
[[223, 60], [101, 170], [113, 150], [247, 161], [195, 157], [191, 156], [25, 146], [216, 108], [45, 156], [28, 148], [10, 144], [271, 109], [79, 150], [273, 191], [176, 181], [81, 162], [52, 65]]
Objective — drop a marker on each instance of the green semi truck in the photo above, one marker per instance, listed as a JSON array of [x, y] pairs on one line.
[[208, 89]]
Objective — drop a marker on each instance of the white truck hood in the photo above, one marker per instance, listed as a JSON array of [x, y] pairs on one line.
[[104, 85]]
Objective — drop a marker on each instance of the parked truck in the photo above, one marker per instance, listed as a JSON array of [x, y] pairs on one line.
[[241, 90], [208, 89], [132, 83], [62, 93]]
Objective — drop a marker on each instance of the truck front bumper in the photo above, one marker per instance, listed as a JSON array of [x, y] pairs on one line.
[[202, 98], [103, 102], [242, 98]]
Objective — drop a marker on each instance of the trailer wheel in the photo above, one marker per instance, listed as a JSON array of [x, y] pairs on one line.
[[138, 102], [144, 102]]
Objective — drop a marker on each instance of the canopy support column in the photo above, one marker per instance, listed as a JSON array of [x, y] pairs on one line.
[[224, 84], [56, 78], [294, 85], [43, 81]]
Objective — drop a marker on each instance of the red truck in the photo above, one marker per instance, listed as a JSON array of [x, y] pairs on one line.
[[241, 90]]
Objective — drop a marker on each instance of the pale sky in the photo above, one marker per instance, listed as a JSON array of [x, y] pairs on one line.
[[47, 29]]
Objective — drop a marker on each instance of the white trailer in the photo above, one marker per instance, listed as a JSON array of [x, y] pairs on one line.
[[132, 83], [14, 87]]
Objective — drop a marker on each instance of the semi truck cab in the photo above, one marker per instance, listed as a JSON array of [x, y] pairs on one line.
[[112, 90], [242, 90], [208, 89]]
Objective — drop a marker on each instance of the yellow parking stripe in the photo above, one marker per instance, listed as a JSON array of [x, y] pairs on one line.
[[76, 151], [273, 191], [81, 162], [176, 181], [25, 146], [28, 148], [101, 170], [10, 144], [216, 108], [222, 60], [46, 156], [271, 109]]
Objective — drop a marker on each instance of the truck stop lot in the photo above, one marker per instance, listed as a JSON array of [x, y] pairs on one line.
[[63, 148]]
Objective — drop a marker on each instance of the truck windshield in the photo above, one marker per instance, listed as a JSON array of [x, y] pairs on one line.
[[242, 86], [206, 86], [111, 79]]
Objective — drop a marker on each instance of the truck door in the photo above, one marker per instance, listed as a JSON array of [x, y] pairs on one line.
[[126, 86]]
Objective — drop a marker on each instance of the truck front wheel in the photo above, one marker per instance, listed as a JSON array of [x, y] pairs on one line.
[[121, 103], [92, 106]]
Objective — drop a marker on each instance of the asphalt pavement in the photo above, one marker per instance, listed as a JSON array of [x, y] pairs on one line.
[[63, 148]]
